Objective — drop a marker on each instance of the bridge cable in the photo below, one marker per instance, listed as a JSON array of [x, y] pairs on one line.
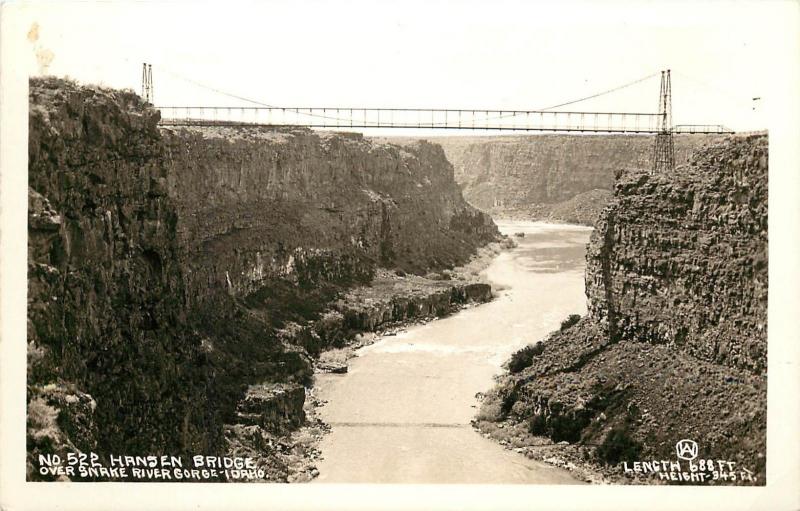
[[214, 89], [600, 93], [609, 91], [242, 98], [309, 114]]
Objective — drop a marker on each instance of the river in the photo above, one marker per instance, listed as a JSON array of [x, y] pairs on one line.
[[402, 412]]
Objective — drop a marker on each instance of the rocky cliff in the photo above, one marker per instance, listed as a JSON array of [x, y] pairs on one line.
[[112, 364], [674, 345], [348, 204], [165, 266], [565, 178], [682, 259]]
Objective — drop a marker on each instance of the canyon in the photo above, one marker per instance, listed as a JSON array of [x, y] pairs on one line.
[[181, 281], [187, 286], [403, 411]]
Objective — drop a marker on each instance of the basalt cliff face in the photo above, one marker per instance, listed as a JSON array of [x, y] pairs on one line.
[[682, 259], [112, 362], [563, 178], [675, 343], [316, 206], [166, 266]]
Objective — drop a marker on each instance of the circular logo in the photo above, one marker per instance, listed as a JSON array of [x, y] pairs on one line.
[[686, 449]]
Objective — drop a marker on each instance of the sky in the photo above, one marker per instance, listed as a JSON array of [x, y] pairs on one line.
[[435, 53]]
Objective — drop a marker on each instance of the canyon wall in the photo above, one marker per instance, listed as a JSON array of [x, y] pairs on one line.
[[681, 259], [674, 346], [550, 177], [165, 264], [106, 325], [272, 203]]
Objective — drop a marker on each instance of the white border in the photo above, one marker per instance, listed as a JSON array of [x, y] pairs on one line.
[[783, 451]]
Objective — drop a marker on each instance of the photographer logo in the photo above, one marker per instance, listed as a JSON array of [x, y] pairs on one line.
[[686, 449]]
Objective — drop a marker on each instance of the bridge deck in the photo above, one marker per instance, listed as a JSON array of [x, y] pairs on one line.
[[416, 118]]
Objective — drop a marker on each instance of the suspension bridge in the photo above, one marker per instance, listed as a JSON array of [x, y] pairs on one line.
[[523, 120], [420, 118]]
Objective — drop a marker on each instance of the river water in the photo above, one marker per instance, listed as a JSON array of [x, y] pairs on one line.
[[401, 414]]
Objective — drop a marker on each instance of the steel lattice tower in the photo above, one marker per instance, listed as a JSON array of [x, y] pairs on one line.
[[147, 82], [664, 147]]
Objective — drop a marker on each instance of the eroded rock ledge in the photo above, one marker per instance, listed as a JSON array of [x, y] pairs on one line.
[[675, 342]]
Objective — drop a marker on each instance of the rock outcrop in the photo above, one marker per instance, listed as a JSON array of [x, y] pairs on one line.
[[274, 407], [164, 265], [556, 178], [675, 342]]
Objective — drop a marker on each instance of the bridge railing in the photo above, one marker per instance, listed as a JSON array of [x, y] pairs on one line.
[[417, 118], [701, 129]]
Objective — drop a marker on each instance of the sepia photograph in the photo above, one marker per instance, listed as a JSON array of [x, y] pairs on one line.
[[508, 249]]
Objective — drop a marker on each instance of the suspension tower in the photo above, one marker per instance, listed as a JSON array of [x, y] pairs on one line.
[[664, 147], [147, 82]]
